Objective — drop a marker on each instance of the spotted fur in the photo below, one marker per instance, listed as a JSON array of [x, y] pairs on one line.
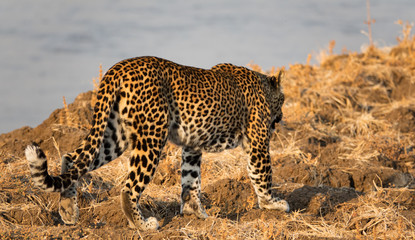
[[145, 101]]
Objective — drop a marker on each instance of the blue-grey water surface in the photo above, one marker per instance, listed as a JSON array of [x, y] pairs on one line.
[[52, 48]]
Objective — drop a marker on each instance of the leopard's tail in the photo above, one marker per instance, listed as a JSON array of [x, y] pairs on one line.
[[39, 169], [86, 153]]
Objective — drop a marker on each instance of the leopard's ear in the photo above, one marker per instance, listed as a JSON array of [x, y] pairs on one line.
[[280, 77], [276, 81]]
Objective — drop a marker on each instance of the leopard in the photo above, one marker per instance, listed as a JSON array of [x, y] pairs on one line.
[[142, 103]]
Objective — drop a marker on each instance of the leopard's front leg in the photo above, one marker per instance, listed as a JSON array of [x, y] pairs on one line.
[[260, 173], [256, 144], [191, 181]]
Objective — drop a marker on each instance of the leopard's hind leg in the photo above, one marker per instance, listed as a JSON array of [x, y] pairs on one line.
[[147, 124], [143, 162], [113, 145], [68, 204]]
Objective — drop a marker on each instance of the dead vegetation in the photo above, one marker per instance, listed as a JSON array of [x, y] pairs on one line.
[[343, 158]]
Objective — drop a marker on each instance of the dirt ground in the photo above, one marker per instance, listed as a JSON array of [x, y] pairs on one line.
[[343, 159]]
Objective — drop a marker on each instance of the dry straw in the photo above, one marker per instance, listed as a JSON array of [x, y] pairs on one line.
[[344, 115]]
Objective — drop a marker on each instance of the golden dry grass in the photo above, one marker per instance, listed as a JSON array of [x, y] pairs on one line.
[[348, 123]]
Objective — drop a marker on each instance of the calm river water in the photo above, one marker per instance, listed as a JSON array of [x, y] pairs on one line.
[[52, 48]]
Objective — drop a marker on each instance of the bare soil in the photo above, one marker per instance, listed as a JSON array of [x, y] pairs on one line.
[[343, 159]]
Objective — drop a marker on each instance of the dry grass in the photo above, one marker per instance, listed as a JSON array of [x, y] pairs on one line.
[[349, 119]]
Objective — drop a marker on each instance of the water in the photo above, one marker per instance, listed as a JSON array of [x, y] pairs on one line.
[[52, 48]]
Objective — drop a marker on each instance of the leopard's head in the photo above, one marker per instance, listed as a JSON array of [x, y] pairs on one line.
[[275, 97]]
